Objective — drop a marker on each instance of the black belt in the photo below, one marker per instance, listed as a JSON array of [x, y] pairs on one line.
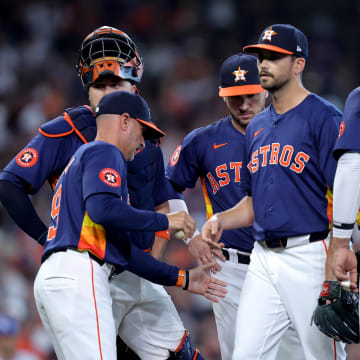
[[242, 259], [286, 242], [94, 257]]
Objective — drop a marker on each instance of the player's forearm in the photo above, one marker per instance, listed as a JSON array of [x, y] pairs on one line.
[[115, 214], [19, 206], [146, 266], [240, 215], [346, 198]]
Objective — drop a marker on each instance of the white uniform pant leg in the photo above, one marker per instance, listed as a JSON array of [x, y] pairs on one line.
[[145, 316], [225, 312], [297, 274], [73, 299], [226, 309], [261, 318], [301, 273]]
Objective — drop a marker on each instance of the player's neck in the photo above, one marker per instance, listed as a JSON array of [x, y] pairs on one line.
[[289, 97]]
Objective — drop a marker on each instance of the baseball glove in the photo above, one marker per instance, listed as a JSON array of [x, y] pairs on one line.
[[340, 318]]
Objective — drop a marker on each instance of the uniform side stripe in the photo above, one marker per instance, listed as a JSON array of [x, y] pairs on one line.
[[92, 237], [96, 311], [208, 205], [325, 246], [182, 341]]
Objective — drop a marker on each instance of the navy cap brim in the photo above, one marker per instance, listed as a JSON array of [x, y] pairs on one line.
[[152, 132]]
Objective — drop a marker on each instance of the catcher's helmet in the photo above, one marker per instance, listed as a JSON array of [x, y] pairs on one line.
[[108, 50]]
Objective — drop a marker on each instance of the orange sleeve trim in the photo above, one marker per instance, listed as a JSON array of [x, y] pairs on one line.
[[42, 132], [165, 234], [181, 275], [68, 119], [182, 341], [147, 250], [196, 354]]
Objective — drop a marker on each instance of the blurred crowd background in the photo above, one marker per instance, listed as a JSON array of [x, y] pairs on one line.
[[183, 44]]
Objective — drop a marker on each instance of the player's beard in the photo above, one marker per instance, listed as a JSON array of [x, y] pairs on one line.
[[272, 85], [242, 123]]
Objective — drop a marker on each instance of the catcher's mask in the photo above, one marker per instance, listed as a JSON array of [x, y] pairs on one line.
[[109, 51]]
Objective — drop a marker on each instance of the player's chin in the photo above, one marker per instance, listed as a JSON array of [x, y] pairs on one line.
[[244, 120]]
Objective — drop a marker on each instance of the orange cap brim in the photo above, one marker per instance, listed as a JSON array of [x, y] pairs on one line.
[[251, 49], [240, 90]]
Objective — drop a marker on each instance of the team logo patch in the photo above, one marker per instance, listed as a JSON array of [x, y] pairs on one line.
[[239, 74], [341, 129], [268, 34], [110, 177], [175, 156], [27, 157]]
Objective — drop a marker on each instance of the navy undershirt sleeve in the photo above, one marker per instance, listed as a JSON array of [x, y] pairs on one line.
[[113, 213], [146, 266], [15, 199]]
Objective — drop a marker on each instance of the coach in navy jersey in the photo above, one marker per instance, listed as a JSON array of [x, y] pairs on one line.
[[289, 167], [88, 235]]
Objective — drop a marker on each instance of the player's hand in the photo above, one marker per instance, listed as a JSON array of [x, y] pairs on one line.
[[344, 261], [180, 220], [203, 254], [201, 283], [212, 231]]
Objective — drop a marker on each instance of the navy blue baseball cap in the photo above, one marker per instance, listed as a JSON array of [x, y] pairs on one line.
[[239, 76], [120, 102], [281, 38], [8, 325]]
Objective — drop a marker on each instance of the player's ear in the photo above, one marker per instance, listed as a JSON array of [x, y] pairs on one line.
[[124, 121], [299, 65]]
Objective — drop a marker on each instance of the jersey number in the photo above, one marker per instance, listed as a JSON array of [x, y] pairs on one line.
[[55, 209]]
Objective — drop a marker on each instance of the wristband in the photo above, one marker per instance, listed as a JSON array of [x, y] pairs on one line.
[[196, 233], [187, 280], [165, 234], [180, 278]]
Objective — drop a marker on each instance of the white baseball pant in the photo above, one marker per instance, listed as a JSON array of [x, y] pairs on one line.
[[146, 318], [73, 299], [281, 289], [233, 274]]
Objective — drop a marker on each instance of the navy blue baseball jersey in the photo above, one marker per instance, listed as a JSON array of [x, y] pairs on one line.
[[290, 167], [95, 168], [214, 153], [46, 156], [348, 139]]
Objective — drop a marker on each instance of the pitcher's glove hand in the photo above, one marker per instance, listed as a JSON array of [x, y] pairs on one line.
[[337, 313]]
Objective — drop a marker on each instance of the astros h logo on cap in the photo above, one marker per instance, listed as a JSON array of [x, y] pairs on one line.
[[239, 76], [281, 38]]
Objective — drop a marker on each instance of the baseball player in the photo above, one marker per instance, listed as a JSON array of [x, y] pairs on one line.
[[108, 61], [346, 201], [215, 154], [88, 235], [288, 169]]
